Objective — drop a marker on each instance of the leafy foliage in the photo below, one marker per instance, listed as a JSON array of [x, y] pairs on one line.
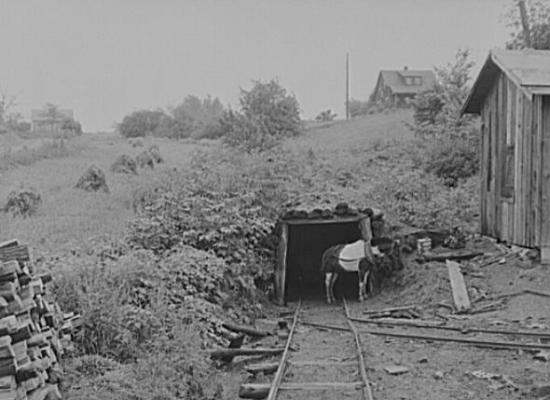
[[453, 140], [23, 202], [267, 114], [144, 123], [538, 16], [197, 118], [326, 116]]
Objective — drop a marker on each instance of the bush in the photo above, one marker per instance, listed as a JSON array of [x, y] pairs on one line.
[[453, 140], [325, 116], [197, 118], [145, 123], [358, 108], [452, 160], [267, 114]]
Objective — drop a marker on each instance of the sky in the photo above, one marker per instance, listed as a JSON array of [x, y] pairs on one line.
[[107, 58]]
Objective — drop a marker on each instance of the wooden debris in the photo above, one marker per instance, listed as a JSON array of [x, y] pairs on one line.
[[261, 390], [266, 368], [221, 353], [30, 344], [542, 356], [460, 294], [249, 330], [390, 309], [396, 369], [451, 255]]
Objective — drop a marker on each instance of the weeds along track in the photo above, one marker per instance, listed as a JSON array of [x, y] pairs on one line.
[[319, 363]]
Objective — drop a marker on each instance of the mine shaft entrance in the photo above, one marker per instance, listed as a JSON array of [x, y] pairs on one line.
[[305, 247]]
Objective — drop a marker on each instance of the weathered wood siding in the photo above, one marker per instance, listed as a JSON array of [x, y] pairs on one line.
[[511, 159], [544, 208]]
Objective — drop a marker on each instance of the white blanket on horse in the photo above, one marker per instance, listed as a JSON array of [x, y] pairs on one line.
[[352, 253]]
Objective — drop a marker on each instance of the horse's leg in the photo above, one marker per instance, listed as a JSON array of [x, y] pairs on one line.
[[360, 275], [328, 282], [365, 282], [332, 282]]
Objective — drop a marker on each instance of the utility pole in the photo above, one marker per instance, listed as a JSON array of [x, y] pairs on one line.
[[347, 85], [525, 23]]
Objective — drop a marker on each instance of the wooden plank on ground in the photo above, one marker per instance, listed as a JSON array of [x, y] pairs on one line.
[[221, 353], [19, 253], [460, 294]]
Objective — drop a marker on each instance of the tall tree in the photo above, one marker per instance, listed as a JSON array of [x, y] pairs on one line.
[[530, 27]]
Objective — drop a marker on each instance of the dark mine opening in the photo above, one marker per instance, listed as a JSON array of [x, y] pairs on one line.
[[306, 244]]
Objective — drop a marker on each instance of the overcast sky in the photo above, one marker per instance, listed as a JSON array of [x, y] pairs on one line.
[[105, 59]]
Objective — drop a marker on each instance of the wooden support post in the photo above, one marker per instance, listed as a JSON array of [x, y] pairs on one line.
[[280, 272]]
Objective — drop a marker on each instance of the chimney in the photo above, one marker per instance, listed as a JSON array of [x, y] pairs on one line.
[[405, 68]]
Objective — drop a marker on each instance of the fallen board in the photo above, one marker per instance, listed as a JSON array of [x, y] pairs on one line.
[[222, 353], [450, 255], [460, 294]]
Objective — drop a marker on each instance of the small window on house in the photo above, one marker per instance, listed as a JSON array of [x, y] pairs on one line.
[[408, 80], [417, 80], [508, 177]]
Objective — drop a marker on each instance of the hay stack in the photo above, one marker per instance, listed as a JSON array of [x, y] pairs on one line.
[[93, 180], [124, 164], [23, 202], [144, 159], [154, 151], [137, 143]]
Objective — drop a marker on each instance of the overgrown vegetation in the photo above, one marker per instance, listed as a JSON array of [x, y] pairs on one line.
[[449, 142], [538, 20], [27, 155], [268, 113]]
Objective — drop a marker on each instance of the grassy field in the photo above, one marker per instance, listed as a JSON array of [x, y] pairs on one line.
[[68, 217]]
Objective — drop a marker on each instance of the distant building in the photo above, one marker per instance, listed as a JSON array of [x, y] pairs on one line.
[[50, 120], [397, 88]]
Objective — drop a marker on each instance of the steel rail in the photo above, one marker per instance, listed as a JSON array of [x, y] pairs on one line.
[[366, 389], [275, 385]]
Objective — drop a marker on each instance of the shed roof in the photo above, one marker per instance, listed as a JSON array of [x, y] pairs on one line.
[[528, 69], [394, 79]]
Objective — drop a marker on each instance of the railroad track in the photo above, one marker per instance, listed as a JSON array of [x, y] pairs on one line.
[[328, 367]]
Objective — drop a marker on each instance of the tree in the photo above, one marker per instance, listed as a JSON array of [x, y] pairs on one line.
[[325, 116], [267, 114], [144, 123], [538, 24], [272, 108], [6, 103]]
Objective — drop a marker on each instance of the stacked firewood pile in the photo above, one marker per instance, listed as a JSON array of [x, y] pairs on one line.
[[34, 333]]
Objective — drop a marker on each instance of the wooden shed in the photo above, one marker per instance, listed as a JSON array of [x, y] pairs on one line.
[[512, 95], [302, 241]]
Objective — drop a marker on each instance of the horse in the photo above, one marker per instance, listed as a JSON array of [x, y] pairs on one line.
[[361, 256]]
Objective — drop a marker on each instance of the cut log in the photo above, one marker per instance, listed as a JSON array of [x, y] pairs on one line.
[[266, 368], [460, 294], [249, 330], [221, 353], [451, 255]]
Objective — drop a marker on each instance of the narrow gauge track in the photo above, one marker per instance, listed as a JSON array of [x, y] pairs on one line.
[[332, 372]]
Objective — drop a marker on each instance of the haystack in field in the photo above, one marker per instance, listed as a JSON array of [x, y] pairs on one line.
[[137, 142], [144, 159], [23, 202], [93, 180], [124, 164], [154, 151]]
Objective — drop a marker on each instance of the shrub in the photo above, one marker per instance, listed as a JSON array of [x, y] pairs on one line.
[[453, 140], [144, 159], [358, 107], [144, 123], [267, 114], [325, 116], [197, 118]]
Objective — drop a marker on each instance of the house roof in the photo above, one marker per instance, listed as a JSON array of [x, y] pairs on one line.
[[395, 80], [529, 69]]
